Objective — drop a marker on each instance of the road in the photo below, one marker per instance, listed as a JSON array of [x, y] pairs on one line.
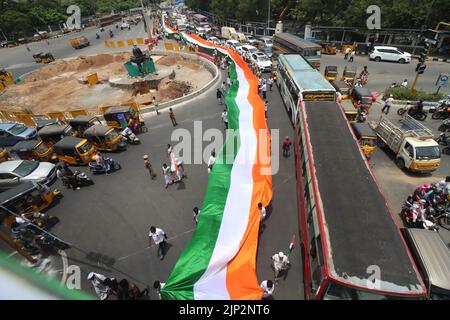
[[19, 61]]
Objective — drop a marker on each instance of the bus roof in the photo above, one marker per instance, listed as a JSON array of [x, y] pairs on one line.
[[296, 41], [359, 229], [295, 62], [312, 80]]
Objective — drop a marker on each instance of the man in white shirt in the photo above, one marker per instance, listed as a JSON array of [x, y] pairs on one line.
[[405, 83], [268, 288], [264, 90], [347, 52], [159, 238], [211, 161], [444, 184], [280, 263], [97, 280], [262, 211], [157, 285], [225, 118], [388, 104], [196, 212], [266, 107]]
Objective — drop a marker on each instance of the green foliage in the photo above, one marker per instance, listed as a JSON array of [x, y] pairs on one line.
[[407, 94]]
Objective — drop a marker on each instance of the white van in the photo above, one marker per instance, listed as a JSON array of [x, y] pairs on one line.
[[394, 54]]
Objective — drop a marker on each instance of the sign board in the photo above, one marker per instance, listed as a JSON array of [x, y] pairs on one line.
[[442, 80]]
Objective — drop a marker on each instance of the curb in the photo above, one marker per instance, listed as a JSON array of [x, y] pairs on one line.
[[447, 60]]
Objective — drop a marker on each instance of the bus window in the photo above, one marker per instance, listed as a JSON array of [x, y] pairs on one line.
[[340, 292]]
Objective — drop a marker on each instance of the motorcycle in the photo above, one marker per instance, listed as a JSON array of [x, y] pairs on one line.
[[404, 109], [445, 126], [129, 136], [412, 220], [444, 140], [97, 36], [109, 165], [79, 179], [420, 116], [50, 244]]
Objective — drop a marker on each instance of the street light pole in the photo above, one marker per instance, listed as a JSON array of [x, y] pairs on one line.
[[268, 19]]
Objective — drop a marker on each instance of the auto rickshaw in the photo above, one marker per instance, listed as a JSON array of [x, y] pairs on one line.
[[33, 150], [43, 57], [74, 150], [119, 117], [343, 88], [81, 123], [364, 95], [6, 79], [349, 74], [366, 137], [350, 112], [4, 154], [328, 48], [53, 133], [27, 198], [331, 73], [43, 122], [105, 138]]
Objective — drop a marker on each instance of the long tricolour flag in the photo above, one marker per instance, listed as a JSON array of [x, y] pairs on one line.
[[219, 261]]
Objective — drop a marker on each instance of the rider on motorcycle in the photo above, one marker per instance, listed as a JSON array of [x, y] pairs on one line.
[[99, 160]]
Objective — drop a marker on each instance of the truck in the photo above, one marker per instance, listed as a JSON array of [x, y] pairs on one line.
[[227, 32], [239, 37], [79, 42], [412, 143]]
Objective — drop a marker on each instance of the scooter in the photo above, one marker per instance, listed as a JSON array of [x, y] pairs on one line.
[[110, 165], [445, 126], [129, 136], [79, 179]]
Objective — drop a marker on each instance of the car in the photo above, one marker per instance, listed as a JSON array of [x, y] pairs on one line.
[[201, 32], [11, 133], [214, 40], [251, 39], [232, 44], [266, 42], [248, 50], [394, 54], [124, 25], [261, 61], [268, 51], [15, 172]]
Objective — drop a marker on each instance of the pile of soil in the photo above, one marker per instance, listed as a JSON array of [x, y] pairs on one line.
[[174, 89]]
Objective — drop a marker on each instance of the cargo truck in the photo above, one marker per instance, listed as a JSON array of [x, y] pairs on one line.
[[413, 144]]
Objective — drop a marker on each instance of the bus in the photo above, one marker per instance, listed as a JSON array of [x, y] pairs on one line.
[[199, 19], [351, 246], [289, 43], [108, 20], [299, 81]]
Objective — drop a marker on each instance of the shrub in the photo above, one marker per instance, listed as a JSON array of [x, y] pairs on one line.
[[407, 94]]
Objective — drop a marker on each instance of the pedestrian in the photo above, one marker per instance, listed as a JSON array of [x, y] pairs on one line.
[[225, 118], [158, 285], [262, 211], [280, 264], [169, 150], [228, 81], [159, 237], [172, 117], [223, 87], [405, 83], [148, 166], [352, 56], [155, 105], [168, 177], [98, 282], [211, 161], [286, 147], [270, 83], [388, 104], [264, 90], [266, 106], [130, 291], [196, 212], [268, 288], [347, 52], [219, 95]]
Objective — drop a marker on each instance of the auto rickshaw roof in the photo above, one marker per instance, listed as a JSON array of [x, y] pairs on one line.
[[80, 120], [340, 84], [362, 91], [17, 192], [349, 108], [362, 129], [331, 68], [41, 123], [97, 130], [52, 130], [350, 69], [25, 145], [116, 110], [67, 143]]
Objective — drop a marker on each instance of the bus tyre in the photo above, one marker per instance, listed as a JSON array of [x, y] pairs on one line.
[[400, 163]]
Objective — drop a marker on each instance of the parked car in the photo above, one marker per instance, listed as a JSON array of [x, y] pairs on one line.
[[251, 39], [261, 61], [389, 54], [266, 42], [268, 51], [214, 40], [11, 133], [232, 44], [248, 50], [15, 172]]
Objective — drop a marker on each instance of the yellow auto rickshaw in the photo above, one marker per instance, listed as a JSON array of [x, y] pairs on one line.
[[105, 138], [81, 123], [328, 48], [33, 150], [6, 79], [349, 74], [366, 137], [4, 154], [52, 133], [350, 112], [119, 118], [27, 198], [331, 73], [43, 57], [364, 95], [343, 88], [74, 150]]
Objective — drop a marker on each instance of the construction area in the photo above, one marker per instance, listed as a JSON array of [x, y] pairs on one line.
[[63, 85]]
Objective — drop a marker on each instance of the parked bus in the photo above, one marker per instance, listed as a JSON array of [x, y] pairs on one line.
[[199, 19], [289, 43], [352, 248], [108, 20], [299, 81]]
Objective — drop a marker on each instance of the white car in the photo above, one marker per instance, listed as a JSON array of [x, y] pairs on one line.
[[15, 172], [251, 39], [124, 25], [232, 44], [266, 42], [248, 50], [394, 54], [261, 61], [214, 40]]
